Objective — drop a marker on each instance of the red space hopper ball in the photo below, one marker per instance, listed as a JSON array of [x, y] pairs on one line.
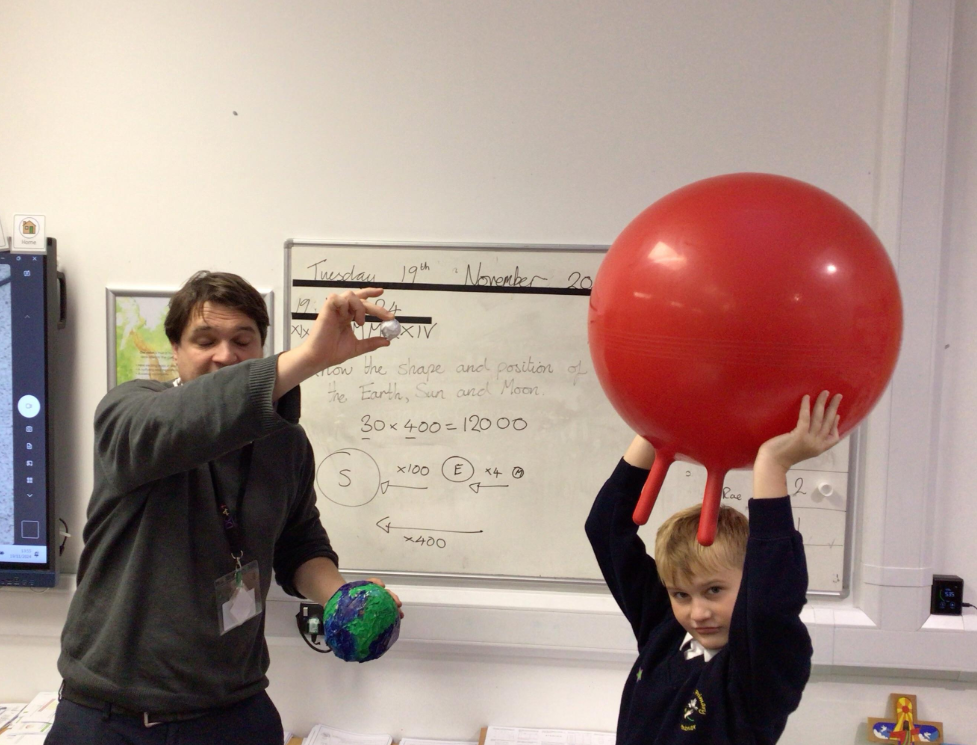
[[726, 301]]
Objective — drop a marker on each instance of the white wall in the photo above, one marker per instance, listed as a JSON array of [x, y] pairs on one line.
[[955, 548], [549, 122]]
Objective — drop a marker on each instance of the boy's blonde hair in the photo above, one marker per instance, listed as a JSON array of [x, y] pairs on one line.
[[679, 555]]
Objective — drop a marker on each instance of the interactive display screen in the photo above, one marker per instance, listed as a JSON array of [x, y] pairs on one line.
[[27, 550]]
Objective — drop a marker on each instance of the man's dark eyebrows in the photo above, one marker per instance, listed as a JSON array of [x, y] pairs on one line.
[[208, 327]]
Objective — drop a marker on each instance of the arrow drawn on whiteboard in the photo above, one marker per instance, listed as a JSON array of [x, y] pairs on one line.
[[387, 485], [479, 485], [386, 528]]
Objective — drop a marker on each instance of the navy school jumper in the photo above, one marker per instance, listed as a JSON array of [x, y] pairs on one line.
[[745, 692]]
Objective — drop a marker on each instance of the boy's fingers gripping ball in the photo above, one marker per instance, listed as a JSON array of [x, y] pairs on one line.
[[361, 621]]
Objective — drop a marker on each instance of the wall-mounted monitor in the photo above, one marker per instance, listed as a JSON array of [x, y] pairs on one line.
[[29, 315]]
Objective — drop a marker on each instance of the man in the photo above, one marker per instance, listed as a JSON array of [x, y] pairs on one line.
[[203, 489]]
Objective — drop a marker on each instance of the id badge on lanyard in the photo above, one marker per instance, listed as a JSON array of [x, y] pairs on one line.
[[238, 592]]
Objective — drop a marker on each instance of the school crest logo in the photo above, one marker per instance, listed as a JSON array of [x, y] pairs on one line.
[[695, 708]]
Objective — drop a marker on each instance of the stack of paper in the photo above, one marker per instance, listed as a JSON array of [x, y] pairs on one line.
[[323, 735], [522, 736], [32, 723], [419, 741]]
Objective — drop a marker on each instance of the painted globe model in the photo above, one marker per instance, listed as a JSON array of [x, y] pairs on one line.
[[361, 621]]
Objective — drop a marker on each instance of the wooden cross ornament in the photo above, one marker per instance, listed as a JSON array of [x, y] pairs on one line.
[[902, 726]]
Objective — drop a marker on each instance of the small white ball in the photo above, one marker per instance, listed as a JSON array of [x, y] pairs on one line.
[[390, 329]]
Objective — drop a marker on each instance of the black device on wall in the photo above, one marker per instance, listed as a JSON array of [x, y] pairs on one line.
[[31, 311], [946, 597]]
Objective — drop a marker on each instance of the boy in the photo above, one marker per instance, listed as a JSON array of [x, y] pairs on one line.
[[723, 654]]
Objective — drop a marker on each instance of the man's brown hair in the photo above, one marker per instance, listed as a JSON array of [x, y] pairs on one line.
[[680, 556], [220, 288]]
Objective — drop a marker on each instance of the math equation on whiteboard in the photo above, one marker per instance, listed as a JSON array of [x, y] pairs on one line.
[[415, 427]]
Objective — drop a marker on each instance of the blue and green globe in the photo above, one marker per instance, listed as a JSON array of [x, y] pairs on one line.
[[361, 621]]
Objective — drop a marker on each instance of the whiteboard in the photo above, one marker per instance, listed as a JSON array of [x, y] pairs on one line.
[[475, 444]]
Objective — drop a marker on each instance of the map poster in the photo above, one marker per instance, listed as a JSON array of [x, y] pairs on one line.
[[137, 344]]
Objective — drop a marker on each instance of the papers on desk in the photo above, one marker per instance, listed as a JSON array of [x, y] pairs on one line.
[[522, 736], [323, 735], [8, 712], [32, 723]]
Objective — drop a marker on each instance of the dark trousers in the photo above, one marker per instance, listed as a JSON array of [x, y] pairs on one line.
[[254, 721]]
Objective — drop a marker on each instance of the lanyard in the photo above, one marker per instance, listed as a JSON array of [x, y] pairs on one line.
[[231, 527]]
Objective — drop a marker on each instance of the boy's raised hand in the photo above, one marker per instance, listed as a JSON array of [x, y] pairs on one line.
[[640, 453], [816, 432]]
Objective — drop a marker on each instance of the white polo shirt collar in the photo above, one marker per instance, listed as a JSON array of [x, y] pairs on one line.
[[692, 648]]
